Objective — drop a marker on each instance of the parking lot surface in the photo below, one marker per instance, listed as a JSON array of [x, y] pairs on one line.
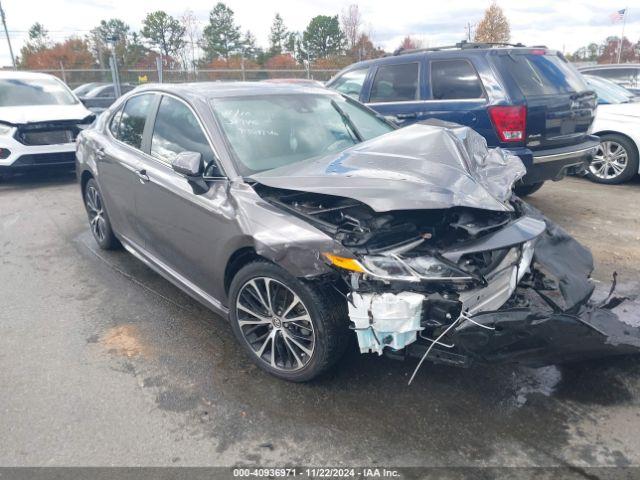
[[102, 362]]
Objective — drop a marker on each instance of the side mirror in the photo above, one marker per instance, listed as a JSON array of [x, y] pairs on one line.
[[188, 164]]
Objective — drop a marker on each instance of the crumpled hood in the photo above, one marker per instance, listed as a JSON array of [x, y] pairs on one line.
[[42, 113], [429, 165]]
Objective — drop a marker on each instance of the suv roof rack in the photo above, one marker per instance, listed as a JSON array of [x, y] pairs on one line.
[[464, 44]]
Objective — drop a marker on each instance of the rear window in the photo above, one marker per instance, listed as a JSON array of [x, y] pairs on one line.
[[454, 80], [543, 74], [134, 118], [396, 83]]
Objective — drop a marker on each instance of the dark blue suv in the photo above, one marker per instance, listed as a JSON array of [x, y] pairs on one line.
[[528, 100]]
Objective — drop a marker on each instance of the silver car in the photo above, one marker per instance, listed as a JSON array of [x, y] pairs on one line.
[[308, 220]]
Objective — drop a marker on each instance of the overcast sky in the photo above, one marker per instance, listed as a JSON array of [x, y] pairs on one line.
[[563, 25]]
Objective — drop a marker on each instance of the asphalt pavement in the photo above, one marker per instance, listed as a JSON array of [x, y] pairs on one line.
[[104, 363]]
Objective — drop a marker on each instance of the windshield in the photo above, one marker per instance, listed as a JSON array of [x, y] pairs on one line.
[[19, 92], [608, 93], [270, 131]]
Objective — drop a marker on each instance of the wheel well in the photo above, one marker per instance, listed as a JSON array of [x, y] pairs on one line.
[[611, 132], [239, 259], [84, 179]]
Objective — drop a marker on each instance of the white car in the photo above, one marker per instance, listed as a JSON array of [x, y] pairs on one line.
[[617, 123], [39, 121]]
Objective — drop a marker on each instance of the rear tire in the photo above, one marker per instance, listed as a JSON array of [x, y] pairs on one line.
[[524, 190], [615, 161], [98, 218], [263, 300]]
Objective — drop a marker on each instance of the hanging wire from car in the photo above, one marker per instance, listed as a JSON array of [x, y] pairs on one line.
[[461, 318]]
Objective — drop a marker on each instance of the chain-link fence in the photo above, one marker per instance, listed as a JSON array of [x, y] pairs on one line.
[[76, 77]]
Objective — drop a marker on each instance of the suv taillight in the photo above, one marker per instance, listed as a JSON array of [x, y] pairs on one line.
[[510, 122]]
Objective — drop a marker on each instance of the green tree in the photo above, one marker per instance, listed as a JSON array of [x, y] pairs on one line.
[[38, 41], [221, 36], [249, 48], [135, 51], [278, 37], [38, 37], [323, 37], [113, 32], [163, 32]]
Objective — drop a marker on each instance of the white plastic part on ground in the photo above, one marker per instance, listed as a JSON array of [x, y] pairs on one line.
[[385, 320]]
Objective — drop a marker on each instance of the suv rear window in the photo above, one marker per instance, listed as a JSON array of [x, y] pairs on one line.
[[454, 79], [543, 74], [395, 83]]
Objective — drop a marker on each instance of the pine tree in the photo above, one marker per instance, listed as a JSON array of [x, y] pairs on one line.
[[221, 36]]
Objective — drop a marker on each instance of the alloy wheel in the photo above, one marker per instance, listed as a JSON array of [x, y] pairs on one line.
[[96, 213], [275, 324], [610, 160]]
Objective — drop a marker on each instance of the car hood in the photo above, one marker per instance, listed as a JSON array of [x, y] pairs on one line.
[[430, 165], [619, 109], [42, 113]]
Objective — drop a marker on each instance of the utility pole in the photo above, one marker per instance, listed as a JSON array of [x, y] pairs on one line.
[[115, 75], [468, 29], [6, 32]]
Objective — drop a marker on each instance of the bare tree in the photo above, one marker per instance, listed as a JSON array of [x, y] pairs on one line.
[[494, 27], [192, 36], [351, 21]]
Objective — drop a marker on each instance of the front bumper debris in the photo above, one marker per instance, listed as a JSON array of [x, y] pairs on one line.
[[541, 317]]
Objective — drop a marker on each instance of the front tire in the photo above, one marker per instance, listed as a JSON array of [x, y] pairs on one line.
[[615, 161], [291, 328], [98, 218], [524, 190]]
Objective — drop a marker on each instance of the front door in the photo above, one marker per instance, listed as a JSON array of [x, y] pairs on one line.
[[183, 227]]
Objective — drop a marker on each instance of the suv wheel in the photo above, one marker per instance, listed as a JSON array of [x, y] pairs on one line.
[[98, 219], [524, 190], [291, 329], [615, 161]]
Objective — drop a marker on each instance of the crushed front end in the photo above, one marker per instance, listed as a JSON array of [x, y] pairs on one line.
[[476, 276]]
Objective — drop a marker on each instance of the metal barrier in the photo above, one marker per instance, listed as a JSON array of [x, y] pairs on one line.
[[75, 77]]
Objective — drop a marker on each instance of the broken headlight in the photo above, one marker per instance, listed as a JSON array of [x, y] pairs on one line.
[[412, 269]]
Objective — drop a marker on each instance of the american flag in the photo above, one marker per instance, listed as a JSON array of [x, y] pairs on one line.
[[618, 16]]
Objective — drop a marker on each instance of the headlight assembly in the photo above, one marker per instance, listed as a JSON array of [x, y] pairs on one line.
[[393, 267], [6, 130]]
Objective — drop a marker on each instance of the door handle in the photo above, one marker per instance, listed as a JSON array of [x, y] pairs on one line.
[[142, 175], [403, 116]]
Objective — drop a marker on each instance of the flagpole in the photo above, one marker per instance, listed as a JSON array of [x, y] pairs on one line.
[[624, 22]]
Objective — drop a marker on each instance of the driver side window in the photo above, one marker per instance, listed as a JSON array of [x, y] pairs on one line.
[[176, 130]]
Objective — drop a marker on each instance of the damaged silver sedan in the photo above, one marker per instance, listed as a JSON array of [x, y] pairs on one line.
[[308, 220]]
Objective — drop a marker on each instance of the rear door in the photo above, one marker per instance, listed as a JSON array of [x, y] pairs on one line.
[[560, 106], [119, 162], [396, 91]]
